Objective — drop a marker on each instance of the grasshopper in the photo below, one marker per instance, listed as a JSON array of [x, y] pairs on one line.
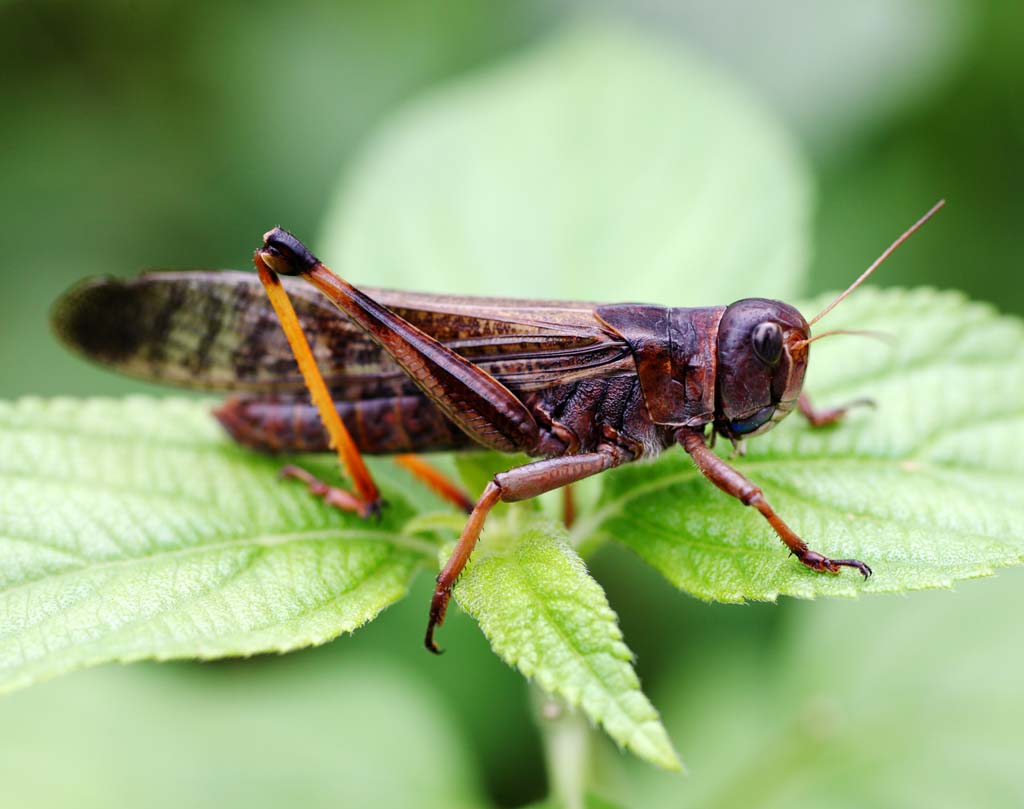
[[583, 387]]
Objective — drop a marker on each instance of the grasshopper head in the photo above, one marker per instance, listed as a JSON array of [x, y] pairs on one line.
[[763, 347], [762, 358]]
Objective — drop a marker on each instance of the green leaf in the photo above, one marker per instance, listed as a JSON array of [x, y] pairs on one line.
[[602, 165], [134, 529], [545, 615], [477, 469], [926, 489]]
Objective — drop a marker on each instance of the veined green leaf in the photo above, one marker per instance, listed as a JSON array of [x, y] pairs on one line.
[[603, 165], [133, 529], [545, 615], [926, 488]]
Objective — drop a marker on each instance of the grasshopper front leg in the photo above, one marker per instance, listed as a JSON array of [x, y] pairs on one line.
[[732, 482]]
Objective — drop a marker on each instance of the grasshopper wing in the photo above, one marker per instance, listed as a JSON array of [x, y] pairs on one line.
[[215, 330]]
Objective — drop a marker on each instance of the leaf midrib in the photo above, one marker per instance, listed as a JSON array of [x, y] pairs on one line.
[[541, 607], [216, 652], [412, 544]]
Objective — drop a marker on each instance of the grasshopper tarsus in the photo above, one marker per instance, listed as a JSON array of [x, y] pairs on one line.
[[438, 608], [334, 495], [375, 510], [431, 644], [731, 481], [864, 569], [822, 564]]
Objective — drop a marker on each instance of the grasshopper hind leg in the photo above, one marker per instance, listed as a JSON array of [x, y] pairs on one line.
[[287, 426], [334, 495], [350, 502], [368, 495]]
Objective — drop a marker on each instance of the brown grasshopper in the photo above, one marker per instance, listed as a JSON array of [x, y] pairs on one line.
[[585, 387]]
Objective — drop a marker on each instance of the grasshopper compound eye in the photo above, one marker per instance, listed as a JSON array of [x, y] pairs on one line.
[[767, 341]]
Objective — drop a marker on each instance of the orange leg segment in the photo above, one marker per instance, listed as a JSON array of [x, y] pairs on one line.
[[340, 439], [440, 484]]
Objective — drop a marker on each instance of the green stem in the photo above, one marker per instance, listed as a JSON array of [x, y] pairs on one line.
[[566, 738]]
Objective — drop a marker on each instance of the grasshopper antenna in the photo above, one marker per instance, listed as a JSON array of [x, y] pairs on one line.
[[888, 252], [882, 336]]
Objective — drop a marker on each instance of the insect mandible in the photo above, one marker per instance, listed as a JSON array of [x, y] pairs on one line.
[[584, 387]]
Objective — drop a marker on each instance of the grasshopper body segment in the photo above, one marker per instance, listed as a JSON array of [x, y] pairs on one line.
[[675, 351]]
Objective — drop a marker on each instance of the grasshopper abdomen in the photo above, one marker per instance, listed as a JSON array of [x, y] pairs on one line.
[[382, 426]]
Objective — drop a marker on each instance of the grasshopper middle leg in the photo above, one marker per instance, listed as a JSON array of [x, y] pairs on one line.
[[521, 483]]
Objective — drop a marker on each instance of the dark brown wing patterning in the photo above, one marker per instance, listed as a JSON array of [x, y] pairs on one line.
[[216, 331]]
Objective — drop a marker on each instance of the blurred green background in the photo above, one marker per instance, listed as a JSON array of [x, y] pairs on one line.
[[172, 135]]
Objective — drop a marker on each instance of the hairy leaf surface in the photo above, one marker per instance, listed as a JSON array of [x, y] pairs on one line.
[[133, 529], [544, 614]]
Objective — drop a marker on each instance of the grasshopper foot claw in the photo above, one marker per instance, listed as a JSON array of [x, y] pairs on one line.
[[822, 564]]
